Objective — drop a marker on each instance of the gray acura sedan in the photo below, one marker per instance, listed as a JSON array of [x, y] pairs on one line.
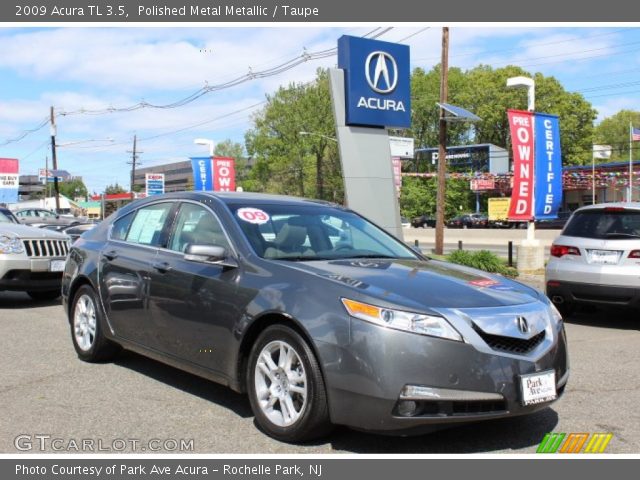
[[320, 316]]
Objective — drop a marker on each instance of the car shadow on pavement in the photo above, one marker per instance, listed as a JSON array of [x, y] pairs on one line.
[[482, 437], [187, 382], [22, 301], [612, 317]]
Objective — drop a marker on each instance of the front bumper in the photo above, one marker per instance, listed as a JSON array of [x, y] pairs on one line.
[[366, 379], [593, 294], [19, 273]]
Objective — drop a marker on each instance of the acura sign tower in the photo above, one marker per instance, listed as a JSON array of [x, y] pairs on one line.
[[370, 92]]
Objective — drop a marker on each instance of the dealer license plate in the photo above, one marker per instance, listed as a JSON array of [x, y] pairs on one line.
[[538, 387], [56, 266], [604, 257]]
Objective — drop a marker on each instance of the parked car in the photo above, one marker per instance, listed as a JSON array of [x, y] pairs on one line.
[[596, 258], [319, 326], [469, 220], [32, 260], [75, 231], [405, 222], [554, 223], [423, 221], [6, 216], [34, 216]]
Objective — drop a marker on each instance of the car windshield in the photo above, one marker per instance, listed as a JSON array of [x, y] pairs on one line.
[[618, 224], [4, 218], [305, 233]]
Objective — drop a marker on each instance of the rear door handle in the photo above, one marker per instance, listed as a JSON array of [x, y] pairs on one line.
[[110, 255], [162, 267]]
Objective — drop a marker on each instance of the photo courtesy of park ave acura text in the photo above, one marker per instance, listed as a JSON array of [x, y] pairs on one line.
[[315, 239]]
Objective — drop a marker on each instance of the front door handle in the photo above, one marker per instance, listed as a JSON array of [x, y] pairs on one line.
[[162, 267]]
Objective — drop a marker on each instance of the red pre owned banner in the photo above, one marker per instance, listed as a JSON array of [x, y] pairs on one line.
[[521, 127], [224, 174]]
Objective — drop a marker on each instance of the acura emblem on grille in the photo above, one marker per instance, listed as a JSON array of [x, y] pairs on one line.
[[523, 325]]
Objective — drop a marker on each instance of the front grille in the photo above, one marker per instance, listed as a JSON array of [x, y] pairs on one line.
[[510, 344], [459, 408], [46, 248]]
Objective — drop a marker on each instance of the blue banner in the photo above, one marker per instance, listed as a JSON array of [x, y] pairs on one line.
[[202, 173], [548, 166]]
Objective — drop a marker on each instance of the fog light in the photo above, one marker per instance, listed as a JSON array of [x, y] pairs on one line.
[[407, 408]]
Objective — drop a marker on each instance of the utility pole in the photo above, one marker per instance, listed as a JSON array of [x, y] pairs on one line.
[[54, 159], [442, 147], [134, 158]]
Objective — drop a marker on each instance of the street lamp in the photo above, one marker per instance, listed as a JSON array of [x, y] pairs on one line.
[[530, 85], [204, 141], [327, 137]]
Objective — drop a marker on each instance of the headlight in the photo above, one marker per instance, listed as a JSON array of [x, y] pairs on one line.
[[410, 322], [10, 245]]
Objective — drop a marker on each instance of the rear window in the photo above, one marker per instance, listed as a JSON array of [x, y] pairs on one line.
[[604, 224]]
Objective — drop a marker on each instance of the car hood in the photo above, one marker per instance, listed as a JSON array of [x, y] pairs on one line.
[[25, 231], [422, 284]]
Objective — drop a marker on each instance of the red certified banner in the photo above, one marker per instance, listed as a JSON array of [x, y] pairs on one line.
[[521, 127], [224, 174]]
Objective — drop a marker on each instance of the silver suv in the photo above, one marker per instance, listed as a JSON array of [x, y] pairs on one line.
[[596, 258], [32, 260]]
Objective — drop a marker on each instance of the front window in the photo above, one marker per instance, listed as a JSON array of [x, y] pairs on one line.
[[301, 232], [5, 218], [602, 224]]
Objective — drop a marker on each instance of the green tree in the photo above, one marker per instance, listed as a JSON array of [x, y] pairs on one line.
[[418, 197], [114, 189], [287, 161], [73, 188], [614, 131]]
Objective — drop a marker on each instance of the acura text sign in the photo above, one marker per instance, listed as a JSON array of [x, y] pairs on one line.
[[377, 87]]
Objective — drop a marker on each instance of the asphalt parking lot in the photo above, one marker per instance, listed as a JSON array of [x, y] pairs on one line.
[[46, 390]]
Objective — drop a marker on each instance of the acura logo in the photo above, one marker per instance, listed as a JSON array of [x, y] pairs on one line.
[[385, 72], [523, 325]]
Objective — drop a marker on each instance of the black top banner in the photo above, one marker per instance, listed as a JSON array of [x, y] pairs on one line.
[[272, 11]]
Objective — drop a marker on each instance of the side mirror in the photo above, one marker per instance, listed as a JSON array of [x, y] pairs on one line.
[[209, 254]]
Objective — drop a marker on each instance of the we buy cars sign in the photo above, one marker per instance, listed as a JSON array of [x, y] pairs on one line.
[[9, 180], [521, 127]]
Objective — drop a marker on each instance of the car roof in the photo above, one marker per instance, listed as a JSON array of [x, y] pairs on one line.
[[241, 198], [600, 206]]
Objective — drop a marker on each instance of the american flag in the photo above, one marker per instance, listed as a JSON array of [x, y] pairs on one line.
[[635, 134]]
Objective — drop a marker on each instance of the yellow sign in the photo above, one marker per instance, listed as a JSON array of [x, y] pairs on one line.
[[498, 208]]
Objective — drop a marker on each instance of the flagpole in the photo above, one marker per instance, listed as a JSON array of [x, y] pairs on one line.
[[630, 191]]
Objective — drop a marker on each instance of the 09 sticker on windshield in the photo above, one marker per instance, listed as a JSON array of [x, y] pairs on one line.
[[253, 215]]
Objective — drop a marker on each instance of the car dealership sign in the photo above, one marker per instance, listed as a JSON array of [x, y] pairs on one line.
[[217, 173], [9, 180], [377, 87], [537, 165]]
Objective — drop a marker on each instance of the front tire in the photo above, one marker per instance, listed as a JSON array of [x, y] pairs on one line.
[[86, 328], [286, 389], [45, 295]]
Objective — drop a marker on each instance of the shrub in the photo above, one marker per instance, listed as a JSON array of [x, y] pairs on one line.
[[482, 260]]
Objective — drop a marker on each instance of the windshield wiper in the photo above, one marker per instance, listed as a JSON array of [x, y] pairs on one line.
[[300, 258], [370, 255], [621, 234]]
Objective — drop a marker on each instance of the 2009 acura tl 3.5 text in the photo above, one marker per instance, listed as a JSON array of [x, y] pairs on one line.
[[319, 315]]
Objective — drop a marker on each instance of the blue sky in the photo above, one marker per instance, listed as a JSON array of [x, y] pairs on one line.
[[81, 69]]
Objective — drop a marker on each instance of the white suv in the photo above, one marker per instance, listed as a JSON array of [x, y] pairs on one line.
[[596, 258], [31, 259]]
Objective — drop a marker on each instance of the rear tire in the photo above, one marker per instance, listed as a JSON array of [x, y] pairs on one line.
[[285, 385], [45, 295], [86, 324]]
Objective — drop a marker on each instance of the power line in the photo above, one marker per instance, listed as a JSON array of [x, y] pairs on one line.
[[557, 42]]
